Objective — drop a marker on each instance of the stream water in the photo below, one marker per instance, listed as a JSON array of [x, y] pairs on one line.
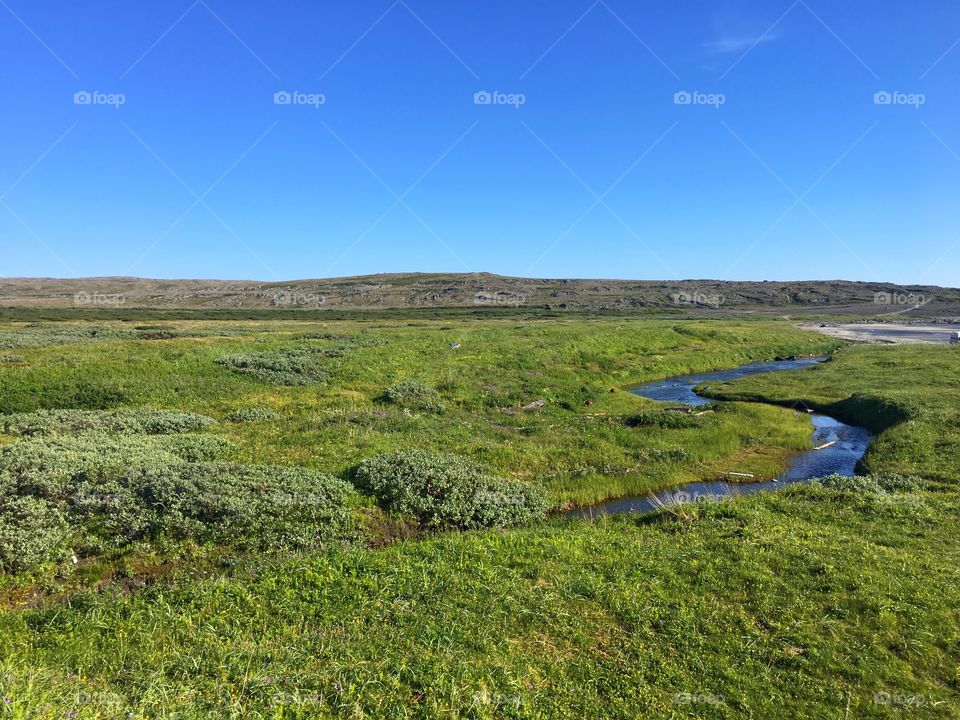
[[849, 443]]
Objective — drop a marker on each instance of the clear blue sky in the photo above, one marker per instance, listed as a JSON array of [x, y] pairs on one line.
[[798, 174]]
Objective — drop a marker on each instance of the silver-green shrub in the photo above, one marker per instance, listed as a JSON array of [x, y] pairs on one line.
[[257, 506], [414, 395], [294, 366], [447, 491], [69, 422], [252, 414], [31, 531]]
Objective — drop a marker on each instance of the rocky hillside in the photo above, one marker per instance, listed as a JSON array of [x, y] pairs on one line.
[[478, 289]]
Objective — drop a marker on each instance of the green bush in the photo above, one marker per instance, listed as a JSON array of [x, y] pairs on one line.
[[252, 414], [413, 394], [31, 531], [662, 419], [670, 455], [31, 335], [877, 484], [245, 505], [295, 366], [447, 491], [323, 336], [61, 422], [196, 448], [37, 335], [50, 467]]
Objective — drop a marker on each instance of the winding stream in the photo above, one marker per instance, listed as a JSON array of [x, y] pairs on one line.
[[849, 445]]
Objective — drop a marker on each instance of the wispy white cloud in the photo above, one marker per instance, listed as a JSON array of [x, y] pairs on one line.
[[739, 43]]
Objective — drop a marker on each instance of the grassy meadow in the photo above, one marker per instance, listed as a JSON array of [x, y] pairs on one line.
[[814, 602]]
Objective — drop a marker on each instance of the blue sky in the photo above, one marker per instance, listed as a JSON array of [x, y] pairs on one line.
[[775, 161]]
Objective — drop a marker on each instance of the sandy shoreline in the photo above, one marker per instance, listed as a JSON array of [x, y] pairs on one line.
[[888, 333]]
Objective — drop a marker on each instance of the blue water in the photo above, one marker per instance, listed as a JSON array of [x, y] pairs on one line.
[[851, 443]]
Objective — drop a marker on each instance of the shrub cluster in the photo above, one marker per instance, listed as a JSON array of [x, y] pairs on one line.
[[50, 467], [323, 336], [12, 358], [252, 414], [102, 490], [31, 529], [60, 422], [878, 484], [413, 394], [299, 365], [64, 450], [662, 419], [33, 335], [38, 335], [344, 343], [249, 506], [447, 491], [293, 366], [676, 455]]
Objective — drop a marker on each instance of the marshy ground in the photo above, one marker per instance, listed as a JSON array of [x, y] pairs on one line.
[[834, 601]]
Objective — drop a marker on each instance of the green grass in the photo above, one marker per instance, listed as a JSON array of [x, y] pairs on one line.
[[799, 604], [811, 602]]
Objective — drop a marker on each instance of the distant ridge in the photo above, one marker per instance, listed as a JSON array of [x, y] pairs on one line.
[[419, 290]]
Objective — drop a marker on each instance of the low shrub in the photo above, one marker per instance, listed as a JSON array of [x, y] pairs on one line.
[[447, 491], [63, 422], [878, 484], [413, 394], [295, 366], [162, 334], [676, 455], [12, 358], [345, 343], [31, 531], [33, 335], [323, 336], [366, 341], [252, 414], [251, 506], [196, 448], [662, 419], [39, 335], [51, 467]]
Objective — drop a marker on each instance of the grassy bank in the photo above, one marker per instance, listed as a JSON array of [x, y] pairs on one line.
[[908, 393]]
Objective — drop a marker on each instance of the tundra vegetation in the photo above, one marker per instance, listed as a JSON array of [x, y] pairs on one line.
[[289, 519]]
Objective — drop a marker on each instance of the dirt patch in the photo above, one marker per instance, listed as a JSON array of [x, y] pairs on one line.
[[888, 333]]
